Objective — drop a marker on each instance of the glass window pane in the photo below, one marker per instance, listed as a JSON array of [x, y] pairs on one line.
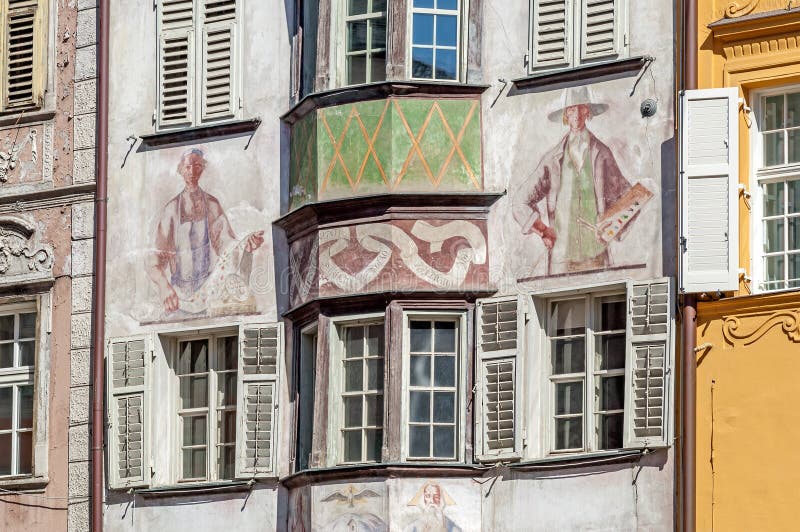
[[357, 7], [375, 340], [378, 5], [444, 407], [357, 36], [793, 109], [569, 398], [569, 356], [353, 376], [794, 270], [227, 460], [7, 327], [773, 112], [352, 446], [446, 30], [7, 355], [419, 409], [228, 392], [794, 233], [793, 197], [794, 146], [444, 373], [420, 333], [444, 442], [447, 4], [773, 235], [420, 371], [27, 325], [773, 273], [25, 412], [419, 441], [378, 33], [611, 351], [353, 411], [353, 342], [229, 355], [612, 393], [6, 408], [5, 454], [773, 148], [378, 66], [612, 315], [569, 433], [194, 357], [375, 374], [773, 198], [445, 337], [374, 410], [227, 426], [425, 4], [422, 32], [446, 67], [374, 441], [25, 448], [568, 317], [27, 353], [194, 392], [422, 63], [194, 430], [611, 431], [194, 463]]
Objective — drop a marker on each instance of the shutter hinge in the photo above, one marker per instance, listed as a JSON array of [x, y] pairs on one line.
[[526, 59], [625, 40], [683, 243], [241, 103], [155, 114]]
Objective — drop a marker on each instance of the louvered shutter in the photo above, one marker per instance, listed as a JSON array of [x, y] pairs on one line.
[[500, 343], [260, 358], [600, 23], [127, 363], [176, 63], [219, 73], [648, 363], [709, 196], [550, 31], [22, 54]]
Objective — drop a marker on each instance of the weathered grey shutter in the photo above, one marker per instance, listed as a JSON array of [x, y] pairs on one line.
[[649, 363], [21, 52], [219, 73], [500, 343], [176, 62], [550, 29], [709, 195], [128, 360], [600, 29], [260, 358]]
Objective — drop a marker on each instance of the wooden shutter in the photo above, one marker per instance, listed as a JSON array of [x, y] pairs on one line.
[[599, 28], [23, 53], [709, 195], [500, 343], [128, 361], [261, 350], [176, 62], [550, 29], [219, 60], [649, 363]]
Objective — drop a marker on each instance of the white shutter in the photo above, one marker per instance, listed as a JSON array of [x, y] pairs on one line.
[[260, 358], [709, 181], [599, 28], [550, 29], [219, 72], [500, 343], [648, 363], [20, 52], [176, 63], [127, 363]]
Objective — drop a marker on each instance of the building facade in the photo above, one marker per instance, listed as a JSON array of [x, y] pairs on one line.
[[747, 333], [391, 265], [47, 183]]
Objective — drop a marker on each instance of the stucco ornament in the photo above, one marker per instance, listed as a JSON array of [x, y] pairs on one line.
[[789, 320], [734, 9], [19, 254], [8, 159]]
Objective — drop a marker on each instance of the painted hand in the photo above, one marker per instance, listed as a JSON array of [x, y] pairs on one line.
[[171, 301], [254, 241], [549, 237]]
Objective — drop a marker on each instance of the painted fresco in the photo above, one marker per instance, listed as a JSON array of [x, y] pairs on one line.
[[390, 256], [437, 506], [351, 508], [587, 199], [26, 155], [391, 145]]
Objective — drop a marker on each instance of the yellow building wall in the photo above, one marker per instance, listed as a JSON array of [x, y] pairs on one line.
[[748, 372]]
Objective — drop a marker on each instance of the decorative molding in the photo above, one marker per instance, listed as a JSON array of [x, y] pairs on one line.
[[46, 198], [47, 152], [8, 160], [20, 255], [769, 45], [735, 10], [789, 320]]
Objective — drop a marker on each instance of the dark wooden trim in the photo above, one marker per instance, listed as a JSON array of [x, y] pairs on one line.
[[319, 443], [388, 470], [474, 41], [323, 46], [196, 489], [393, 386], [379, 91], [397, 28], [584, 73], [22, 118], [179, 136]]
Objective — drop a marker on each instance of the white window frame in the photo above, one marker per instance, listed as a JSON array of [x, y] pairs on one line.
[[340, 19], [762, 175], [461, 39], [574, 42], [462, 361]]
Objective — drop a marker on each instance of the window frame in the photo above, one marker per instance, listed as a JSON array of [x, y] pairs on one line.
[[342, 19], [462, 26]]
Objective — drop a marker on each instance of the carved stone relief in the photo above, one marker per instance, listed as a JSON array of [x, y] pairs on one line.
[[20, 253], [789, 320], [10, 158]]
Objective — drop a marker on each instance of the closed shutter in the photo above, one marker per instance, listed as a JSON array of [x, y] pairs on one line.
[[500, 343], [23, 45], [550, 33], [709, 195], [128, 360], [219, 73], [176, 62], [600, 23], [260, 358], [649, 363]]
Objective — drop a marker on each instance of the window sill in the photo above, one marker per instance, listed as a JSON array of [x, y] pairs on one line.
[[196, 488], [21, 118], [177, 136], [584, 459], [582, 73], [23, 483], [384, 470]]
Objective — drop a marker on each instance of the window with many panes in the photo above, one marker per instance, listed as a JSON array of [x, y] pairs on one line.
[[778, 171], [365, 56], [587, 372], [206, 370], [17, 365], [435, 39]]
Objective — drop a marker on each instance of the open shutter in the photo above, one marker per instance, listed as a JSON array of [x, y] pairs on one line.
[[219, 74], [260, 357], [128, 362], [500, 343], [599, 28], [709, 196], [649, 363], [550, 33], [176, 63], [22, 54]]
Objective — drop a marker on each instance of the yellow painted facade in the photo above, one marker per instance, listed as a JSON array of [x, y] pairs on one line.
[[748, 359]]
